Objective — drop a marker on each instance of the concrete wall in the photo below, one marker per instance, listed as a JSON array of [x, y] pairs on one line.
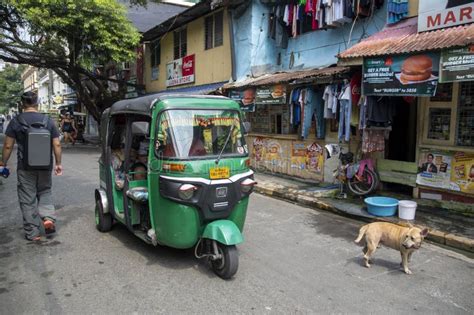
[[254, 49], [212, 65]]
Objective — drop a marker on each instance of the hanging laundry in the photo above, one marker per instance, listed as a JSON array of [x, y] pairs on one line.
[[330, 100], [373, 140], [345, 100], [396, 10], [379, 111]]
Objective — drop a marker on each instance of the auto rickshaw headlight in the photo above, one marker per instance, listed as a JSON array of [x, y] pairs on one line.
[[186, 191], [247, 185]]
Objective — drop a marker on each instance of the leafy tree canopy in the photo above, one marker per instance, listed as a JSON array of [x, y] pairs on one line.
[[11, 87], [69, 36]]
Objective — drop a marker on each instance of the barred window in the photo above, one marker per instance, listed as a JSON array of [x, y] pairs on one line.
[[180, 43], [214, 30], [155, 53]]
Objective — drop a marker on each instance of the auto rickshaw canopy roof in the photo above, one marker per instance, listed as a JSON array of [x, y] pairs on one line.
[[143, 105]]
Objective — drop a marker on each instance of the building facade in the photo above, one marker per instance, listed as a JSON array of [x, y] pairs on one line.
[[30, 79], [190, 51]]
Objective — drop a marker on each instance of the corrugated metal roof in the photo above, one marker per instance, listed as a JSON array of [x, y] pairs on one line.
[[403, 38], [284, 77]]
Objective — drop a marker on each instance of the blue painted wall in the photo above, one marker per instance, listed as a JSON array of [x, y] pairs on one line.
[[256, 53]]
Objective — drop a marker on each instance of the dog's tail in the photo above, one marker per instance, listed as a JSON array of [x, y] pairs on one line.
[[361, 233]]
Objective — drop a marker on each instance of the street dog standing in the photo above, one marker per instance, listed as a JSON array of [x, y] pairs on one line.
[[404, 239]]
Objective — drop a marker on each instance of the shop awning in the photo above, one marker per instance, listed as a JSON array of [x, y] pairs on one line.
[[289, 77], [403, 38], [196, 90]]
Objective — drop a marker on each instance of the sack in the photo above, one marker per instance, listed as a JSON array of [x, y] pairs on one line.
[[37, 148]]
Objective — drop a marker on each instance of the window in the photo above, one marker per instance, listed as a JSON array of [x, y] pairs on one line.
[[439, 123], [465, 119], [180, 46], [155, 53], [214, 30]]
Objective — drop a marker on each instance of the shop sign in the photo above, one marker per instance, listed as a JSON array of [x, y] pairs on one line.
[[246, 99], [404, 75], [271, 95], [447, 170], [457, 65], [131, 90], [180, 71], [444, 13]]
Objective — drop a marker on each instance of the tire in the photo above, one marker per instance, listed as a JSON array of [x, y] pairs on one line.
[[227, 266], [365, 185], [103, 221]]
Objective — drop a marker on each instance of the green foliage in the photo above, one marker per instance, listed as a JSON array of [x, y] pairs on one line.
[[92, 30], [11, 86]]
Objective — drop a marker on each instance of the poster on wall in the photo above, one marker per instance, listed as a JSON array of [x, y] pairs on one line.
[[307, 157], [404, 75], [444, 13], [180, 71], [457, 65], [246, 99], [271, 95], [434, 169], [462, 172]]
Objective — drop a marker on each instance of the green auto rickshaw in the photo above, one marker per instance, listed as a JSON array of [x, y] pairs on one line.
[[174, 170]]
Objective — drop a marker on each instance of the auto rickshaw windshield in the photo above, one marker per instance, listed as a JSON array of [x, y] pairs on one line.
[[199, 133]]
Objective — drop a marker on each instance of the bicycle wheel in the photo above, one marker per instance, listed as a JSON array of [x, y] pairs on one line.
[[364, 184]]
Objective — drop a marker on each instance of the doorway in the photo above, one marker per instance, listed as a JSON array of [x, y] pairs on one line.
[[402, 140]]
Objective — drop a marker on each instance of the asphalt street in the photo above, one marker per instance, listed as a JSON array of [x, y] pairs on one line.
[[293, 260]]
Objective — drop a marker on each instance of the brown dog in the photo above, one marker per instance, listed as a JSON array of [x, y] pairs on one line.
[[404, 239]]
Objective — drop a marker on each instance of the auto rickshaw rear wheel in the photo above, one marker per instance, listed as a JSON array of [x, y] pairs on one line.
[[103, 221], [226, 266]]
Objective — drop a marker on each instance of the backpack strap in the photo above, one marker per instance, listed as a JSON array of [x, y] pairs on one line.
[[43, 123], [22, 121]]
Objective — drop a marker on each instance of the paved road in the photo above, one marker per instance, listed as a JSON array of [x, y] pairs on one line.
[[294, 260]]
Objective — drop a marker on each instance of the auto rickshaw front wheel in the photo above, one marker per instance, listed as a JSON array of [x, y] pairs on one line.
[[103, 221], [226, 266]]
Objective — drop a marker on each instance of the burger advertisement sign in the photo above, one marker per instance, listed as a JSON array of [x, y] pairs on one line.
[[271, 95], [403, 75]]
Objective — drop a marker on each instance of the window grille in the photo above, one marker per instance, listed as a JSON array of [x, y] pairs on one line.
[[465, 125]]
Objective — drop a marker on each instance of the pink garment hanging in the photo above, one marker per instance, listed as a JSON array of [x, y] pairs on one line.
[[294, 27]]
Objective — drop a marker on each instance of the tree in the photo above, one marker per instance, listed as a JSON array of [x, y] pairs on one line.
[[10, 86], [70, 37]]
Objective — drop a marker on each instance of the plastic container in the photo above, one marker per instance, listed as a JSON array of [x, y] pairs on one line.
[[406, 209], [381, 206]]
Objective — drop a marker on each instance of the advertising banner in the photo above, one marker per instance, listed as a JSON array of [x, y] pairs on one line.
[[404, 75], [180, 71], [435, 169], [245, 98], [457, 65], [307, 157], [271, 95], [435, 14], [447, 170], [462, 172]]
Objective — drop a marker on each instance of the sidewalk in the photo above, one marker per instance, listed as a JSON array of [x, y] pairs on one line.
[[448, 228]]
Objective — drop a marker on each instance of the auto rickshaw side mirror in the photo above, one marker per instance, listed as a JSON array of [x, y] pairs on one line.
[[140, 128], [247, 127]]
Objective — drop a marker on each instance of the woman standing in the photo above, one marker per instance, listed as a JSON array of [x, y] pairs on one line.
[[68, 128]]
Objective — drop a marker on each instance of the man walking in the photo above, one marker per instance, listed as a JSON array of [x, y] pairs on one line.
[[34, 186]]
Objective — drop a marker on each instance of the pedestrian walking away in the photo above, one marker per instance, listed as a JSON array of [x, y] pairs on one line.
[[33, 168]]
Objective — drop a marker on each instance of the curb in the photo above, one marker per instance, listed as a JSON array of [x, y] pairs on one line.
[[435, 236]]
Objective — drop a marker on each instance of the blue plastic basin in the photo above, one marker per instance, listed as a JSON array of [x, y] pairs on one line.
[[381, 206]]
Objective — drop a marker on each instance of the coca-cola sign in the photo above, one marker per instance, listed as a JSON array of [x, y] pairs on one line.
[[180, 71]]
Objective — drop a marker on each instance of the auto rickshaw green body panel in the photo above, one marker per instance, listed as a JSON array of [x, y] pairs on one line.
[[180, 223]]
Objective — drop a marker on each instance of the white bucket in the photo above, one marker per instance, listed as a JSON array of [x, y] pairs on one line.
[[406, 209]]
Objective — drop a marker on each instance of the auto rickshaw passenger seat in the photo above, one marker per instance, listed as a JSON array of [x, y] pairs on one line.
[[138, 194]]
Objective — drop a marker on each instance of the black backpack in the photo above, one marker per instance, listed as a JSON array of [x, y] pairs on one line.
[[37, 146]]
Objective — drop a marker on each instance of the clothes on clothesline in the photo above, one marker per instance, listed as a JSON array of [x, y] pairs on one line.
[[345, 100], [396, 10], [291, 18]]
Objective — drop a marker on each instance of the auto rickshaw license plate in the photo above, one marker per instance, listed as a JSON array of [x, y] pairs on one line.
[[219, 172]]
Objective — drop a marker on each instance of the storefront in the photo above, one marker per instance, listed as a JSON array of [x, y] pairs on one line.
[[427, 81], [291, 122]]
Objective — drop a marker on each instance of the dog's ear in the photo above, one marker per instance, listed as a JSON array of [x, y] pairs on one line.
[[424, 232]]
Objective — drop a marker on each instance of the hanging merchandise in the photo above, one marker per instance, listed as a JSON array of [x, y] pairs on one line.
[[379, 111], [330, 101], [362, 112], [396, 10], [313, 107], [373, 140], [295, 109], [345, 100]]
